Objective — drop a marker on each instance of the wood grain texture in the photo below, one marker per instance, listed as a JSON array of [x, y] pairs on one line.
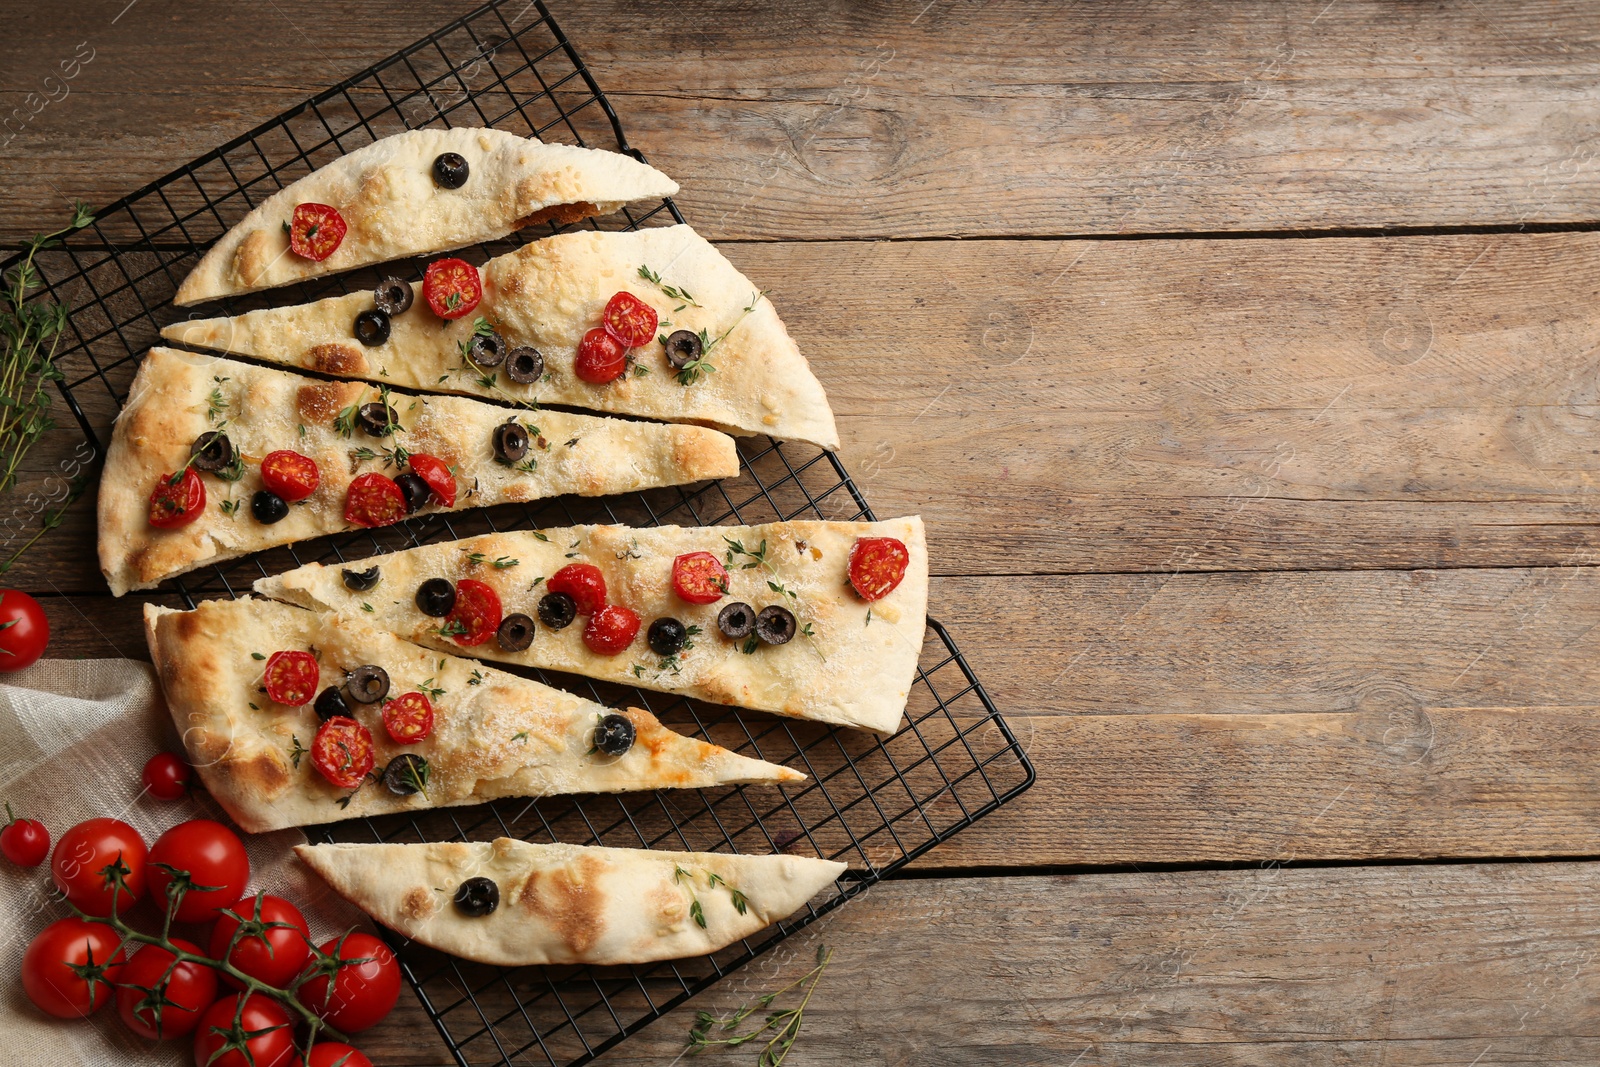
[[911, 119]]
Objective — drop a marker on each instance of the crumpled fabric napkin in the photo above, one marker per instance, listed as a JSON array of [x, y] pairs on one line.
[[74, 738]]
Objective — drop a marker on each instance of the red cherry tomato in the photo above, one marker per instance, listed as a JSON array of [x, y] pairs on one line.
[[274, 945], [452, 287], [213, 855], [699, 578], [167, 776], [82, 856], [342, 751], [183, 994], [630, 320], [408, 718], [24, 842], [877, 564], [24, 630], [47, 967], [436, 472], [584, 583], [610, 630], [365, 983], [477, 612], [374, 500], [316, 231], [291, 677], [601, 357], [290, 475], [262, 1036], [174, 504], [334, 1054]]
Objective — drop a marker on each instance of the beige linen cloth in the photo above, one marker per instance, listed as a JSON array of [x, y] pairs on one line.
[[74, 737]]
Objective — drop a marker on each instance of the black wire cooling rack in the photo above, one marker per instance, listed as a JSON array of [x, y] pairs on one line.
[[874, 803]]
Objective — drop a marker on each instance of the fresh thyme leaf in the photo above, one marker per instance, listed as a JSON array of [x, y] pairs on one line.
[[344, 424], [520, 735], [640, 370], [869, 618], [230, 507], [451, 628], [670, 290], [477, 678], [297, 751], [697, 913], [366, 607], [257, 655], [537, 536], [751, 643]]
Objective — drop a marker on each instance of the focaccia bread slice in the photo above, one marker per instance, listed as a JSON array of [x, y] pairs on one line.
[[855, 668], [563, 904], [394, 208], [547, 294], [494, 734], [177, 396]]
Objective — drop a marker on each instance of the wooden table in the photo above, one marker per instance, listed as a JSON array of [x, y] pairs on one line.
[[1243, 359]]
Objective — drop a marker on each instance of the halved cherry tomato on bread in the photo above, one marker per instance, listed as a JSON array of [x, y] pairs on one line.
[[583, 582], [290, 475], [601, 357], [436, 472], [877, 564], [342, 751], [476, 615], [291, 677], [699, 578], [452, 287], [316, 231], [177, 500], [611, 630], [374, 500], [630, 320], [408, 718], [69, 966]]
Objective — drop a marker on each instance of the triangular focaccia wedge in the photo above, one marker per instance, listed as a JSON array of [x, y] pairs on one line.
[[494, 734], [548, 294], [855, 669], [562, 904], [177, 396], [393, 208]]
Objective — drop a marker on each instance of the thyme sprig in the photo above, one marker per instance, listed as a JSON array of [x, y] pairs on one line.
[[672, 291], [783, 1024], [759, 557]]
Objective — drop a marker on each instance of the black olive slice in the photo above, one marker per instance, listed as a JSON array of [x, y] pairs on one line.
[[477, 897], [435, 597], [414, 489], [331, 702], [737, 619], [377, 419], [211, 451], [683, 348], [450, 170], [393, 295], [361, 581], [515, 632], [614, 735], [667, 636], [487, 350], [406, 774], [775, 625], [367, 684], [268, 507], [510, 440], [372, 327], [557, 610], [525, 365]]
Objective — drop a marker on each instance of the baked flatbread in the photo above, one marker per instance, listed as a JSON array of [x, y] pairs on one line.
[[561, 904], [855, 670], [548, 294], [494, 734], [393, 207], [177, 396]]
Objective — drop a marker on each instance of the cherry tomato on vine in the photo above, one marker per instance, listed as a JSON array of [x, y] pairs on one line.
[[79, 864], [261, 1037], [212, 855], [24, 842], [177, 500], [334, 1054], [364, 986], [274, 946], [67, 968], [156, 1003], [167, 776], [24, 630]]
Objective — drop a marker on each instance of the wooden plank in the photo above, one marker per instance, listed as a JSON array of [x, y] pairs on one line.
[[1416, 966], [910, 119], [1077, 406]]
